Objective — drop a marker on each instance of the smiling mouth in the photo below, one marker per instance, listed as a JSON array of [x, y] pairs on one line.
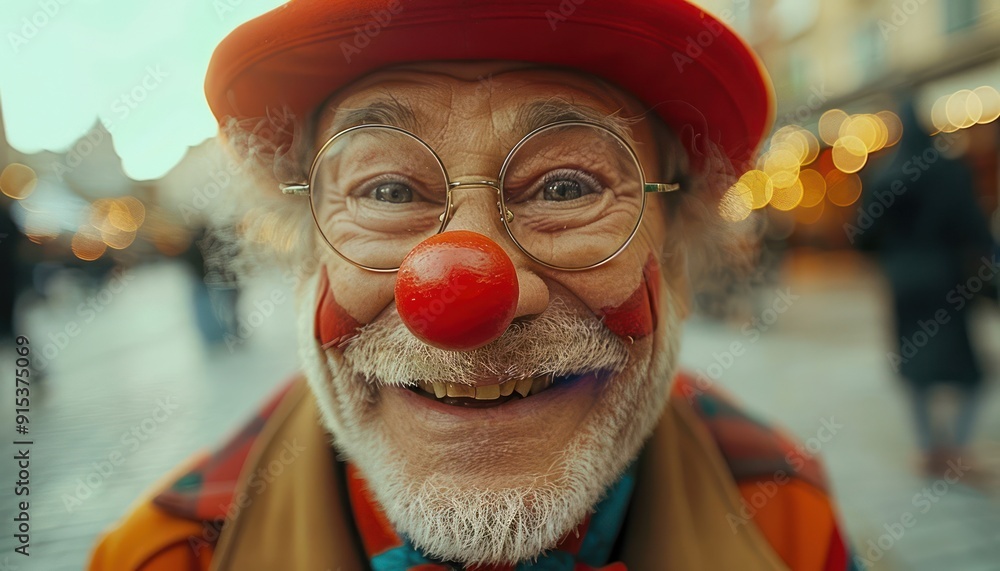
[[486, 396]]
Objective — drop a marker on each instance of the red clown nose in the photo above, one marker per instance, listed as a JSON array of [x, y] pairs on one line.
[[457, 290]]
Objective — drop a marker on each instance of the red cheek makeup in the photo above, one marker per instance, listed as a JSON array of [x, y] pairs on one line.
[[636, 316], [334, 326]]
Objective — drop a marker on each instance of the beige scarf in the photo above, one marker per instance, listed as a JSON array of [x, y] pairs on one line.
[[299, 521]]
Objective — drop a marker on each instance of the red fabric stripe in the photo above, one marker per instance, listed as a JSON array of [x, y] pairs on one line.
[[489, 568], [618, 566], [376, 532], [572, 541], [837, 554]]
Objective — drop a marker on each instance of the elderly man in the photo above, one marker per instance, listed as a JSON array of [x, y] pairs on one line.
[[488, 210]]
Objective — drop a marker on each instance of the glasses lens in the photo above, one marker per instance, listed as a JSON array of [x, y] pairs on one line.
[[378, 192], [574, 194]]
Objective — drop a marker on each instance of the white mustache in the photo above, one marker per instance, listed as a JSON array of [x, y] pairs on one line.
[[560, 340]]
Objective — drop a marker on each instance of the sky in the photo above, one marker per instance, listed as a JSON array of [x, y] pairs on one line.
[[138, 67]]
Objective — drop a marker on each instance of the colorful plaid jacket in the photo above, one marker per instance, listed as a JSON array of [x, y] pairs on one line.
[[782, 502]]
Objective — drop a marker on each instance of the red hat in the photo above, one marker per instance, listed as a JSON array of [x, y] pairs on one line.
[[698, 75]]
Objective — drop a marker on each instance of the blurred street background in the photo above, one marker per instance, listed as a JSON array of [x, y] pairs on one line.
[[824, 359], [146, 351]]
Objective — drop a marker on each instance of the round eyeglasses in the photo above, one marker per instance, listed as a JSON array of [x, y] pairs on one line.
[[570, 194]]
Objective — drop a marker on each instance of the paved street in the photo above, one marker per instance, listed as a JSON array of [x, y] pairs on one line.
[[139, 364], [824, 359], [141, 352]]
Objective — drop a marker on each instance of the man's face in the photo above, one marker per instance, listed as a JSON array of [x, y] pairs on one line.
[[505, 482]]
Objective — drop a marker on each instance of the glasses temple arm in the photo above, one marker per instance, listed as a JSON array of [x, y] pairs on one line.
[[296, 189], [660, 187]]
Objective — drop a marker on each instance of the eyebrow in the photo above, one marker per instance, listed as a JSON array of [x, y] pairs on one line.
[[541, 113], [389, 111], [392, 111]]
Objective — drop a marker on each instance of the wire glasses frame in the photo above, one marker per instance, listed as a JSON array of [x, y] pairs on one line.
[[506, 216]]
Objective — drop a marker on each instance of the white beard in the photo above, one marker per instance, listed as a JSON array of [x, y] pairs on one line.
[[450, 520]]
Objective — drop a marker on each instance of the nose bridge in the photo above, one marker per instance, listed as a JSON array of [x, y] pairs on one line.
[[470, 211], [488, 183], [474, 205]]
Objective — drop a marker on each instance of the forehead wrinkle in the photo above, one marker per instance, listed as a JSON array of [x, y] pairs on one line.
[[537, 114], [387, 109], [466, 134], [403, 102], [398, 112], [562, 83], [446, 109]]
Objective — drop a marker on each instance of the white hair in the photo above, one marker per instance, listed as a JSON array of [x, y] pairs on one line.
[[441, 513]]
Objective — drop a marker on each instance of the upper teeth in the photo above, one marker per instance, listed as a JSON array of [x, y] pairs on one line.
[[524, 387]]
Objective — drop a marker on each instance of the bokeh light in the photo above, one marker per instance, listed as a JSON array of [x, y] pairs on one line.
[[883, 133], [843, 189], [120, 217], [963, 108], [829, 125], [87, 243], [893, 125], [810, 214], [966, 108], [18, 181], [813, 150], [989, 97], [813, 187], [939, 116], [760, 186], [863, 128], [798, 141], [135, 208], [850, 154], [120, 240], [787, 198], [117, 220], [782, 166]]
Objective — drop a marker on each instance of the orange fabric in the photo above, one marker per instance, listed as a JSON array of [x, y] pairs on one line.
[[151, 540], [797, 520], [793, 517]]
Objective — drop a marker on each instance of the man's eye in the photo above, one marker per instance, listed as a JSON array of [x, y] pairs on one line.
[[563, 189], [564, 185], [393, 192]]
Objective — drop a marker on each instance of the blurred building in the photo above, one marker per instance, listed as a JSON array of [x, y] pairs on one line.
[[78, 205], [843, 61], [850, 49]]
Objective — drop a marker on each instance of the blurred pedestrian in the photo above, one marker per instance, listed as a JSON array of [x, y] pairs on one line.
[[10, 239], [214, 295], [932, 238]]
